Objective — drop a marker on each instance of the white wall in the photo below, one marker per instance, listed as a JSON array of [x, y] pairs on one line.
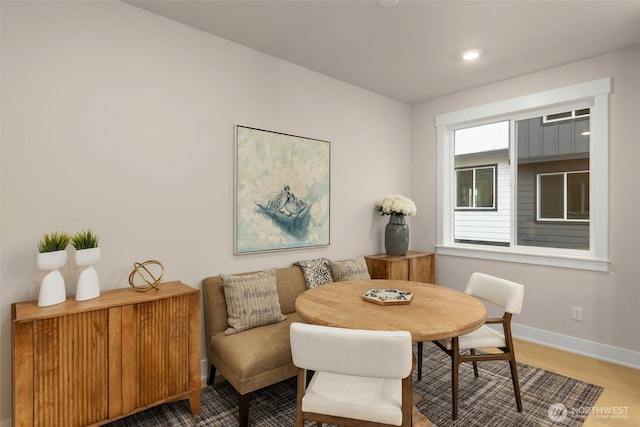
[[121, 121], [609, 300]]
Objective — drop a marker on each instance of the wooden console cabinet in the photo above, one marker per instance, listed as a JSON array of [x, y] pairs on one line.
[[91, 362], [415, 266]]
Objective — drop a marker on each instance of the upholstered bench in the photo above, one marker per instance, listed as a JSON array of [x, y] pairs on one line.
[[251, 356], [256, 357]]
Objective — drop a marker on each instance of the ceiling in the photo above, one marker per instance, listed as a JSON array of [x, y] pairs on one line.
[[411, 52]]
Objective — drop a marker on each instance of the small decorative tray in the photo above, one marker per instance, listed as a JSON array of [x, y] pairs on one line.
[[387, 296]]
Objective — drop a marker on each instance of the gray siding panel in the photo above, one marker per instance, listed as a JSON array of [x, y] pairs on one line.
[[522, 129], [536, 139], [549, 140], [534, 134], [582, 141], [574, 235], [565, 138]]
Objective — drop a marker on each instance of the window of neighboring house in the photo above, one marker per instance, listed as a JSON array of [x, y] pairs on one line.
[[563, 196], [566, 115], [549, 158], [475, 188]]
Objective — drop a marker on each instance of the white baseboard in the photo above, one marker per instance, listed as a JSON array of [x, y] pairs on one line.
[[608, 353], [204, 370]]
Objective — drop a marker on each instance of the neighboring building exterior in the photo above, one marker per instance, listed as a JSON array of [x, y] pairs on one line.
[[552, 197]]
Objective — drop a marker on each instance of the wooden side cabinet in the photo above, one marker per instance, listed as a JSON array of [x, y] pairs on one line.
[[91, 362], [415, 266]]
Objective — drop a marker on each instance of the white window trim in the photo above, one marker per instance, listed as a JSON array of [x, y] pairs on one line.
[[596, 94]]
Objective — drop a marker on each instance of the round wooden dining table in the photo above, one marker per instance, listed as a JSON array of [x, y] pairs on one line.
[[434, 312]]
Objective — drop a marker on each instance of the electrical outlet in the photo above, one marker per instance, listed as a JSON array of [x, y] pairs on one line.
[[576, 313]]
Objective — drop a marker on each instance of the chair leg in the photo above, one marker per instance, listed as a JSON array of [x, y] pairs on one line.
[[420, 343], [475, 364], [514, 379], [212, 374], [243, 415], [301, 386], [455, 364]]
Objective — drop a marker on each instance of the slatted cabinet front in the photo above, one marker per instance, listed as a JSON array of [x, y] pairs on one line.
[[84, 363]]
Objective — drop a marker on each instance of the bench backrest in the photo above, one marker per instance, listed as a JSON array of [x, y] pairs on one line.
[[290, 282]]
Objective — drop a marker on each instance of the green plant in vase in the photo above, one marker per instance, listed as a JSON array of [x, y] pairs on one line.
[[53, 242], [51, 257], [85, 240], [87, 255]]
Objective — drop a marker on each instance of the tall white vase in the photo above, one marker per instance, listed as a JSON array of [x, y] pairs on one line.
[[88, 284], [52, 290]]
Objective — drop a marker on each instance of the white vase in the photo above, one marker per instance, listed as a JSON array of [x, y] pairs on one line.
[[88, 284], [52, 290]]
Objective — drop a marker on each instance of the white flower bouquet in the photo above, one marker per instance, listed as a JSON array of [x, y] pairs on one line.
[[396, 204]]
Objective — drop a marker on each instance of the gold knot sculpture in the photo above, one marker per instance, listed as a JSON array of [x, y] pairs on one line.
[[151, 281]]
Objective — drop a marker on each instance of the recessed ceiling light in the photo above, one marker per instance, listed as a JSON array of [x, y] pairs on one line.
[[470, 55], [387, 3]]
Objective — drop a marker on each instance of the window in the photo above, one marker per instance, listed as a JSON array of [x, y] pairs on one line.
[[517, 178], [563, 196], [566, 115], [475, 188]]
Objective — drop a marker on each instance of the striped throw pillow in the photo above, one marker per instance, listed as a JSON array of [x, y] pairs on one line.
[[252, 300]]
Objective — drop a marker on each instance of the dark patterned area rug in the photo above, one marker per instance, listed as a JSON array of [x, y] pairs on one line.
[[548, 399]]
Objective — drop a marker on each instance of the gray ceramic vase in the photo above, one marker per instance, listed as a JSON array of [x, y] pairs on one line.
[[396, 236]]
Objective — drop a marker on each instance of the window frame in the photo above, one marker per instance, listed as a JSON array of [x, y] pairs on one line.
[[572, 116], [565, 219], [494, 204], [592, 94]]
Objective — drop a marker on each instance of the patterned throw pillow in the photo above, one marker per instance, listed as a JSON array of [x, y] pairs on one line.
[[252, 300], [316, 272], [350, 269]]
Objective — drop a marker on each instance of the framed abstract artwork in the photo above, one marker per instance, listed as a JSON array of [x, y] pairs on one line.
[[282, 191]]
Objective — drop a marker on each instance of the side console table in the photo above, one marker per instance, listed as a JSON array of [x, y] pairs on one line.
[[414, 266], [91, 362]]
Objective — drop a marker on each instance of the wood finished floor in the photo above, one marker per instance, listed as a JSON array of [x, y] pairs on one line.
[[621, 384]]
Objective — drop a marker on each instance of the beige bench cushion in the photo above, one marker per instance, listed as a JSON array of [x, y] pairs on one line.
[[256, 357]]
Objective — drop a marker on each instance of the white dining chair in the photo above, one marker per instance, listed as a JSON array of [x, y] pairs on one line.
[[361, 377], [506, 295]]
